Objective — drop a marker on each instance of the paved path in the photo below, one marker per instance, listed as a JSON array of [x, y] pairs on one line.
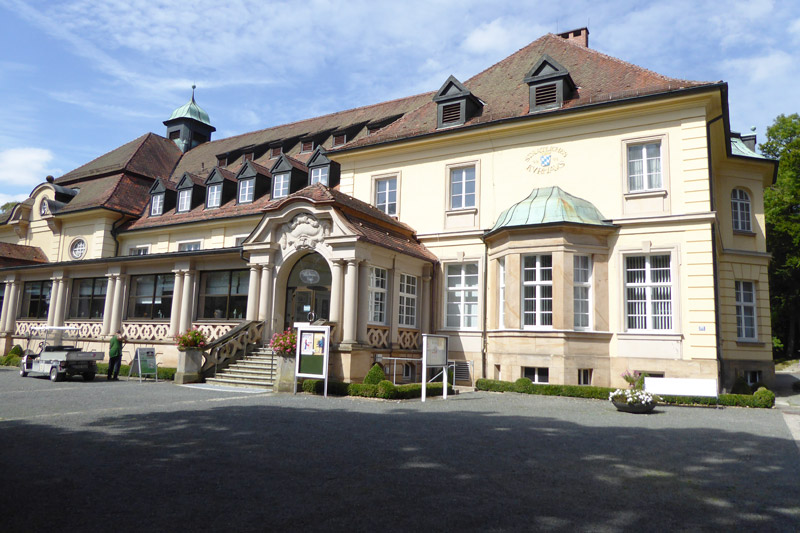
[[126, 456]]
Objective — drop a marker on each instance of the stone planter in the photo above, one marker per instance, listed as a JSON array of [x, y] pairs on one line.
[[284, 372], [190, 362], [637, 408]]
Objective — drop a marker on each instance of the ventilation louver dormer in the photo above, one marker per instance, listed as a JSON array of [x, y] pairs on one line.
[[550, 84], [455, 104]]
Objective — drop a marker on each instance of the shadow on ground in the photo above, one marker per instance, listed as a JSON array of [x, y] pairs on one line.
[[265, 468]]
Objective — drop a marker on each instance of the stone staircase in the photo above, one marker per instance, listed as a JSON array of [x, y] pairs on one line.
[[256, 370]]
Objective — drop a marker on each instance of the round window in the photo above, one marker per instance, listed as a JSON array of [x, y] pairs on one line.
[[78, 248]]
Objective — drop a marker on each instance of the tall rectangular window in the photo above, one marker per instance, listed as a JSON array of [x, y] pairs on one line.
[[584, 376], [501, 299], [184, 200], [386, 195], [223, 294], [214, 195], [156, 204], [740, 210], [281, 186], [462, 188], [88, 298], [2, 294], [462, 296], [377, 295], [36, 299], [582, 290], [408, 300], [246, 190], [648, 292], [644, 166], [151, 296], [746, 311], [537, 290], [319, 175]]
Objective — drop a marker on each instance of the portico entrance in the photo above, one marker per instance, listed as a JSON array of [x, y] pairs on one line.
[[308, 289]]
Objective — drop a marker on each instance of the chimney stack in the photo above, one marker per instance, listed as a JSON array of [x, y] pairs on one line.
[[579, 36]]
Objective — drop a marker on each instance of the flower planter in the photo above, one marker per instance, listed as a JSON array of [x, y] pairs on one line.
[[638, 408], [190, 362]]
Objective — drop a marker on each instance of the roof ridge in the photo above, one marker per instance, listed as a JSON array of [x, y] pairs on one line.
[[106, 153]]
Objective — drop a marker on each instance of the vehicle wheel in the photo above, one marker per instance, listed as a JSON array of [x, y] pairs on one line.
[[54, 375], [22, 372], [88, 376]]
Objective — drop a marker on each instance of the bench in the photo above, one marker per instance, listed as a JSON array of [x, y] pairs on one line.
[[682, 387]]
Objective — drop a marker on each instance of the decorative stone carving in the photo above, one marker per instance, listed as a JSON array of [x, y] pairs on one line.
[[303, 231]]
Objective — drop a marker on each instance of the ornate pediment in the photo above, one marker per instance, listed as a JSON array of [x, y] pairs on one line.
[[304, 231]]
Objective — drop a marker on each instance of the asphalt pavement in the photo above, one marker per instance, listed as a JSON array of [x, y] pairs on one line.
[[126, 456]]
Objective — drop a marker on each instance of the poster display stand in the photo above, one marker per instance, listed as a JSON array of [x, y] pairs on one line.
[[144, 362], [313, 350], [434, 355]]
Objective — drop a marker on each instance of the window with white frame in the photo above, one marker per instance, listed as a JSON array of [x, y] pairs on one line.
[[281, 185], [386, 195], [184, 200], [537, 290], [377, 295], [536, 374], [584, 376], [501, 297], [156, 205], [746, 311], [214, 195], [462, 296], [752, 376], [246, 190], [648, 292], [319, 175], [139, 250], [462, 187], [408, 300], [644, 166], [740, 210], [189, 246], [582, 291]]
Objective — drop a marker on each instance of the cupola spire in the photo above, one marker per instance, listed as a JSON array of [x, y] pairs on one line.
[[189, 125]]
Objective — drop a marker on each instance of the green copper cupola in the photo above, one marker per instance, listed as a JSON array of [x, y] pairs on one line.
[[189, 125]]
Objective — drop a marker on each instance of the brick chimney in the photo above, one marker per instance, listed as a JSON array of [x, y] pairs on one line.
[[579, 36]]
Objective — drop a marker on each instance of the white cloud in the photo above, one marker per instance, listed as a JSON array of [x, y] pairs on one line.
[[794, 29], [758, 69], [21, 167], [499, 36]]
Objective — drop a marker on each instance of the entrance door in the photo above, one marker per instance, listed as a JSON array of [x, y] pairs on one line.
[[308, 290]]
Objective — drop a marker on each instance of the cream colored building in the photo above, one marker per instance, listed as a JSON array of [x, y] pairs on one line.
[[563, 216]]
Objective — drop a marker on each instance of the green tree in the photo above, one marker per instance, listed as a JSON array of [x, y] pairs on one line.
[[782, 211], [7, 206]]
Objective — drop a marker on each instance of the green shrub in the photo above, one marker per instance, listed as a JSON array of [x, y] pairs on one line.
[[375, 375], [317, 386], [523, 386], [755, 386], [10, 360], [494, 385], [764, 398], [16, 350], [740, 386], [365, 390], [387, 390], [164, 373]]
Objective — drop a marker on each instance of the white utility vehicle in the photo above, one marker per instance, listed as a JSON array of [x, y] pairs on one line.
[[52, 358]]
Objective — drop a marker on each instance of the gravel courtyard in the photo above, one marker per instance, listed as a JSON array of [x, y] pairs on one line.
[[127, 456]]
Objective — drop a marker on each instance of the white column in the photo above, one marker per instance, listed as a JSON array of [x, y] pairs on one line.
[[253, 293], [51, 310], [6, 302], [11, 305], [116, 309], [186, 301], [62, 303], [175, 311], [363, 302], [265, 306], [350, 318], [336, 299], [108, 306], [425, 305]]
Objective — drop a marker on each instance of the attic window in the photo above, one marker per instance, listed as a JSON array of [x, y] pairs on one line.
[[174, 135], [451, 113], [248, 156], [307, 146], [222, 161], [157, 205], [372, 129], [184, 201], [546, 95], [275, 151], [339, 139]]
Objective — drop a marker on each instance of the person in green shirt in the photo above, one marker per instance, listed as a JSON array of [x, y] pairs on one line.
[[115, 356]]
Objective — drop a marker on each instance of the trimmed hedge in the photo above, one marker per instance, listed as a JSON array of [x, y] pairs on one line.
[[375, 375], [164, 373], [10, 360], [385, 389], [763, 397]]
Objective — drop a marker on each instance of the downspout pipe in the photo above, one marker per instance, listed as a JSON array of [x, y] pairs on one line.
[[714, 265], [115, 233], [484, 335]]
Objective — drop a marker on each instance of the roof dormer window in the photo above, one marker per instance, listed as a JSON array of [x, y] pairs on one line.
[[157, 204], [214, 195], [247, 189], [184, 200], [248, 156], [339, 139], [280, 185], [274, 152], [222, 161], [456, 104], [306, 146], [550, 84], [319, 175]]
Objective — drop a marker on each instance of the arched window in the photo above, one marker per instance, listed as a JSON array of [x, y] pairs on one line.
[[740, 210]]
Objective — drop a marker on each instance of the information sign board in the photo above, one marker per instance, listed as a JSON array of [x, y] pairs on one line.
[[313, 350], [434, 354], [144, 363]]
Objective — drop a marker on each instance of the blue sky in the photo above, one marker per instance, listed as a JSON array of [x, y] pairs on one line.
[[82, 77]]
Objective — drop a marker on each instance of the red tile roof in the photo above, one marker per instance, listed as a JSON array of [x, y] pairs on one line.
[[18, 255]]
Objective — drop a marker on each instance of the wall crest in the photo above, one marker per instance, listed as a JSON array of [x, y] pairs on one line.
[[303, 231]]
